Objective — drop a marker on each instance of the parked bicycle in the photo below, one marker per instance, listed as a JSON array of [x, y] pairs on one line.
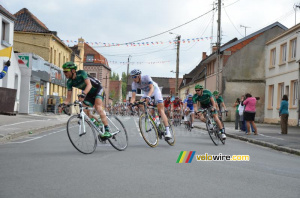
[[212, 127], [152, 128], [82, 131]]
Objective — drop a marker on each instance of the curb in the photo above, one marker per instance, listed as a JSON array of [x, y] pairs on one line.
[[13, 136], [261, 143]]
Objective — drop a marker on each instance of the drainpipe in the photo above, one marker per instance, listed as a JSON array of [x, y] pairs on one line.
[[298, 93]]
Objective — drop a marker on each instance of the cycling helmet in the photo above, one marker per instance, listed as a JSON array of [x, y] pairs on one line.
[[135, 72], [69, 65], [199, 87], [215, 93], [190, 96]]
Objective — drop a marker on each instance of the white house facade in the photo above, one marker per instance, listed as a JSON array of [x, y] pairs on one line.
[[12, 79], [282, 75]]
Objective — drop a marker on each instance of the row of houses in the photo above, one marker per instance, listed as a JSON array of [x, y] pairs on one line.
[[36, 63], [264, 63]]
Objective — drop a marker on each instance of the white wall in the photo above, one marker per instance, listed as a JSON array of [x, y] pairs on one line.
[[12, 79]]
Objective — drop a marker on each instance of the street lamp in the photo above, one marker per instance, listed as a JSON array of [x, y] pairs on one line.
[[177, 62]]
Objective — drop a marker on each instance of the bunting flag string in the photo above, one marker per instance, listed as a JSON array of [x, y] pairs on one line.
[[105, 44], [125, 62]]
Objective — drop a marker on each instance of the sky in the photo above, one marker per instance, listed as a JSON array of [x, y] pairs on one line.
[[121, 21]]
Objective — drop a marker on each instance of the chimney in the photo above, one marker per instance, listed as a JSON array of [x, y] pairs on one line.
[[204, 55], [81, 48], [214, 48]]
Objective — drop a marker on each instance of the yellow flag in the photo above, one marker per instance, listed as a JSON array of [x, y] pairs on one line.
[[6, 52]]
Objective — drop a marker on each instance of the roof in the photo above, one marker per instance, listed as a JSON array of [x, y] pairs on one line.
[[100, 60], [254, 34], [27, 22], [75, 50], [284, 33], [7, 13]]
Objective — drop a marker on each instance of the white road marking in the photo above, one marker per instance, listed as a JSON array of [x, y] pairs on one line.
[[35, 138], [23, 122], [137, 126]]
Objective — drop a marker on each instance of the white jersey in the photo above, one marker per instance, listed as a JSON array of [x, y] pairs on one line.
[[144, 85]]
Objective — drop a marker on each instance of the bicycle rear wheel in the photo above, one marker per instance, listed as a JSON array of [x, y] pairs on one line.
[[119, 139], [213, 133], [84, 142], [148, 130]]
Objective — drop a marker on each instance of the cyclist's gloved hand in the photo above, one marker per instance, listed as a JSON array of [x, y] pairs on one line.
[[7, 63]]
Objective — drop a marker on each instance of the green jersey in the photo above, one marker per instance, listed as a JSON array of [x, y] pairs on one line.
[[79, 83], [204, 99], [219, 100]]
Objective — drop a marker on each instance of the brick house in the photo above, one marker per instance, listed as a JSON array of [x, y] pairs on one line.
[[115, 87]]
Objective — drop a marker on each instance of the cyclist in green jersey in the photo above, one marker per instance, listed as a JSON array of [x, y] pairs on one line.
[[92, 90], [220, 100], [206, 100]]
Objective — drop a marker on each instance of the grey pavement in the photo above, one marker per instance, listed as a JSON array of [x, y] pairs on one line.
[[268, 135], [13, 127]]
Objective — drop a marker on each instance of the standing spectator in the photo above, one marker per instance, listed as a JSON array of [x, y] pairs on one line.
[[284, 114], [237, 115], [249, 113], [6, 65]]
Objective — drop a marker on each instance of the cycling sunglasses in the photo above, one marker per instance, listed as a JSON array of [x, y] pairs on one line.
[[198, 90], [134, 77], [66, 70]]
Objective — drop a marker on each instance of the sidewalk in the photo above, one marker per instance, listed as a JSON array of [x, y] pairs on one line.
[[12, 127], [268, 136]]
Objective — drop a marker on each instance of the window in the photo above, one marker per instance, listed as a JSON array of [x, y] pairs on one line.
[[280, 93], [283, 53], [59, 54], [51, 54], [93, 75], [293, 48], [287, 90], [294, 94], [90, 58], [273, 57], [271, 96], [54, 61], [138, 91], [5, 34]]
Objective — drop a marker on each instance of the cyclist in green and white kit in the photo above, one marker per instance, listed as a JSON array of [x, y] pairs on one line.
[[92, 90], [206, 100]]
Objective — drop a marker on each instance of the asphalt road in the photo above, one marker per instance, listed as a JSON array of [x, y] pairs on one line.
[[47, 165]]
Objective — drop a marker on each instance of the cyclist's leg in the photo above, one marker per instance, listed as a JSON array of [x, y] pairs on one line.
[[98, 107]]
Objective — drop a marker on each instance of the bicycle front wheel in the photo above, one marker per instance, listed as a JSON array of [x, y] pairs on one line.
[[213, 133], [119, 139], [81, 135], [148, 130], [171, 142]]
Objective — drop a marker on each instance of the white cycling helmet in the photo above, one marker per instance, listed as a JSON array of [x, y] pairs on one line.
[[135, 72], [190, 96]]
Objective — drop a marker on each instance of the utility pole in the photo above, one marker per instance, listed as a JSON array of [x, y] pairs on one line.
[[106, 96], [177, 64], [219, 45], [242, 26], [127, 73], [295, 8]]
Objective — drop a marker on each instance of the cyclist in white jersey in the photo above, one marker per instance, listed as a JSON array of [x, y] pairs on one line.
[[150, 89]]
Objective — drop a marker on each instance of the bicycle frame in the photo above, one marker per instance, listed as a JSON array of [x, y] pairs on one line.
[[82, 115]]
